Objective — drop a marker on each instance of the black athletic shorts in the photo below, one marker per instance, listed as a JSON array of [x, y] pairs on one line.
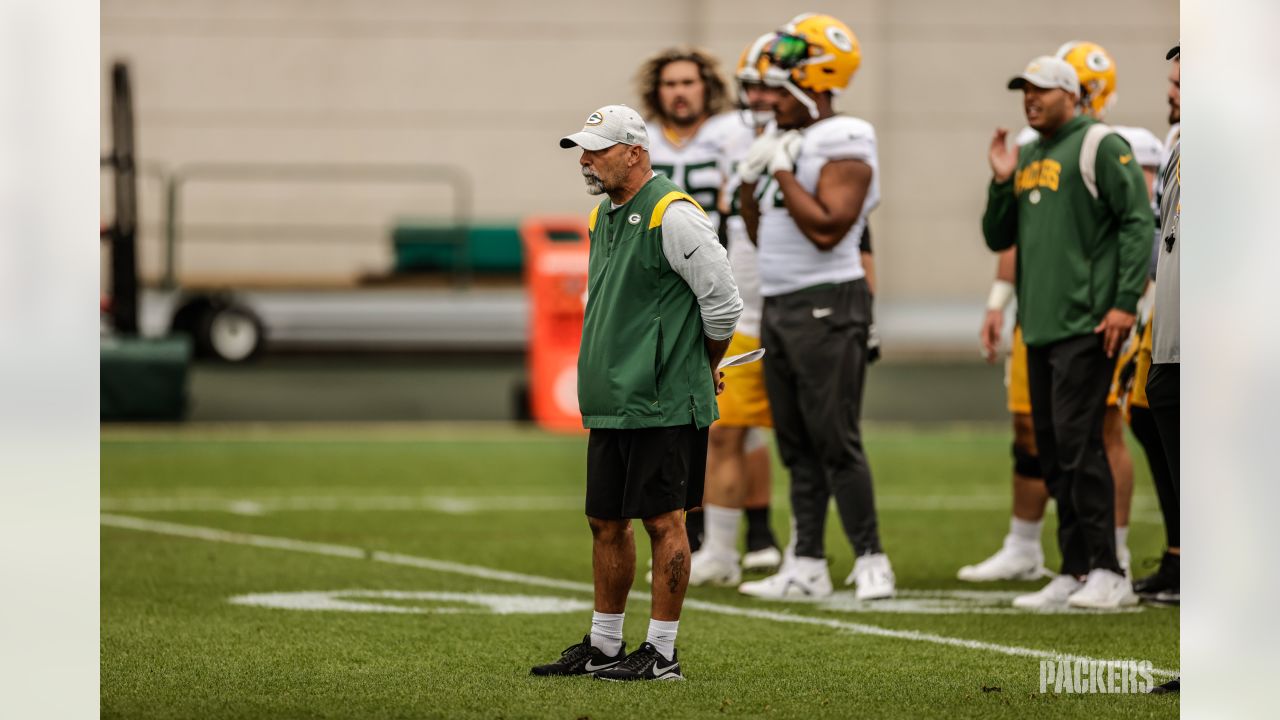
[[646, 472]]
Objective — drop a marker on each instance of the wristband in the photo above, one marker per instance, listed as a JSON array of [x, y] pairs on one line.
[[1001, 293]]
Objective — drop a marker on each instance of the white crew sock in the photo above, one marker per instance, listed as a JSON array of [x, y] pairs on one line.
[[1122, 548], [606, 632], [1026, 531], [662, 635], [720, 525]]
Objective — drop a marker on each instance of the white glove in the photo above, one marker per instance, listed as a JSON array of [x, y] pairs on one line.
[[758, 157], [784, 155]]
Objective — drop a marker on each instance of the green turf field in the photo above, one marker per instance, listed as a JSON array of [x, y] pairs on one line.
[[431, 522]]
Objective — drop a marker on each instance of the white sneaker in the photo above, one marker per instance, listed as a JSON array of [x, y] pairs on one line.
[[709, 568], [1050, 597], [873, 576], [801, 579], [1015, 560], [1104, 590], [766, 559]]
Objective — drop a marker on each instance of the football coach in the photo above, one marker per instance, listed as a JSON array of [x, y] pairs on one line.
[[661, 308]]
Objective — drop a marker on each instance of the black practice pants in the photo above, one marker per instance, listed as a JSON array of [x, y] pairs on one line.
[[814, 372], [1069, 380]]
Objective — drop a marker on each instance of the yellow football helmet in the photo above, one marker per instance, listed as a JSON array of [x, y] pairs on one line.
[[752, 63], [751, 69], [1097, 73], [819, 52]]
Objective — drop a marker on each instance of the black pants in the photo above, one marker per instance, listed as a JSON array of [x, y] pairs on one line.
[[1143, 423], [814, 373], [1162, 396], [1069, 380]]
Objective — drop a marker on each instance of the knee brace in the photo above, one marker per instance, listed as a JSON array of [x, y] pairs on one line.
[[756, 438], [1026, 464]]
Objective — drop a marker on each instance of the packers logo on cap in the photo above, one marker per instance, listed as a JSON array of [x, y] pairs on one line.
[[595, 118]]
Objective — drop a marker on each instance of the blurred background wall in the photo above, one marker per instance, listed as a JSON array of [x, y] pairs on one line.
[[489, 85]]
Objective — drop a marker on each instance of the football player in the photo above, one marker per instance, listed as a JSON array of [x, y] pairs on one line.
[[738, 464], [807, 191], [694, 141]]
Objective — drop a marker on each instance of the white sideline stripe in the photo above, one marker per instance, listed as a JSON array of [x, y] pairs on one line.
[[215, 535], [248, 506], [457, 505]]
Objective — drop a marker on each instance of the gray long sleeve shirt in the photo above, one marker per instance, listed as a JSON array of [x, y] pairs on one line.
[[1164, 324]]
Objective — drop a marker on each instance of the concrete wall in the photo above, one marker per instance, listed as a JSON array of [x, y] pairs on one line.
[[491, 84]]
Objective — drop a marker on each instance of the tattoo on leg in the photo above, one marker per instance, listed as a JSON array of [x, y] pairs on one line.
[[675, 567]]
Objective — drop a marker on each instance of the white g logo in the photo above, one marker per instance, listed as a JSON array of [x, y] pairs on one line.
[[839, 39]]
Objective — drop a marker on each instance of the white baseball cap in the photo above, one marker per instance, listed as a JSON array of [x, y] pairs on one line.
[[1048, 72], [608, 126]]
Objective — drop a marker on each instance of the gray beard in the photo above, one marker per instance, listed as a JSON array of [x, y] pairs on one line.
[[595, 186]]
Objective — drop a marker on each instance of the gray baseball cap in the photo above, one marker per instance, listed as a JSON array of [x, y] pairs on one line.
[[610, 125], [1048, 72]]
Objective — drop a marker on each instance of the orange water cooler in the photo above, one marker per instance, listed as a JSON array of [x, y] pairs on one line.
[[556, 255]]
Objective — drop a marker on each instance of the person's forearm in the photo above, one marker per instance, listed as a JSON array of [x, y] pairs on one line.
[[750, 209], [716, 350], [820, 226], [1000, 221]]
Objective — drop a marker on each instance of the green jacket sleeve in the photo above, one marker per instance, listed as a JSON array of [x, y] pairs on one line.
[[1122, 188], [1000, 221]]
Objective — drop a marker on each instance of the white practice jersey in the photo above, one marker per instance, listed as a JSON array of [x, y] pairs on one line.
[[703, 164], [788, 261], [743, 258], [1147, 148]]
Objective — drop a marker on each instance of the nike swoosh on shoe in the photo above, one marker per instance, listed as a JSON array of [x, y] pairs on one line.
[[594, 668]]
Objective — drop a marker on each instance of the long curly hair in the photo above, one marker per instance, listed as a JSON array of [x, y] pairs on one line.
[[716, 96]]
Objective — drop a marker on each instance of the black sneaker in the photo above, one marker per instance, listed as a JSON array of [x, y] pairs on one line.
[[1162, 587], [646, 663], [581, 659], [1173, 686]]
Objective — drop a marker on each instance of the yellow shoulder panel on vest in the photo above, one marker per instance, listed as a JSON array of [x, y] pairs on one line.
[[591, 221], [655, 220]]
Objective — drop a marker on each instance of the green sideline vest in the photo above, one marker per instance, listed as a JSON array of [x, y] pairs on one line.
[[643, 362]]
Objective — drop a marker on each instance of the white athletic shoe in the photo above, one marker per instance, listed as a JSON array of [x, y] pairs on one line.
[[1050, 597], [1104, 590], [763, 560], [1015, 560], [873, 576], [800, 579], [708, 568]]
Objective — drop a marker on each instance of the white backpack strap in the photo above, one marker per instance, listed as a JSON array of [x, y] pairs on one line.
[[1089, 156]]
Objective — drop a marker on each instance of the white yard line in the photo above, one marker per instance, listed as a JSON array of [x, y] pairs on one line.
[[277, 543]]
